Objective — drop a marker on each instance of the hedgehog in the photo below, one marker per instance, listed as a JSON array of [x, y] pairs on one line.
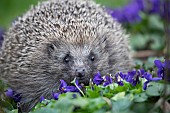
[[61, 39]]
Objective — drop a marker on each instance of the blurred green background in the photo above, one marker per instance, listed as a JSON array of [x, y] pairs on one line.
[[11, 9], [148, 34]]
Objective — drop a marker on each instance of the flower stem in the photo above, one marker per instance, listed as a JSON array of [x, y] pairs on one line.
[[74, 81]]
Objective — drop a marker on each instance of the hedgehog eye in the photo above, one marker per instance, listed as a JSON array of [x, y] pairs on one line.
[[66, 59], [92, 58]]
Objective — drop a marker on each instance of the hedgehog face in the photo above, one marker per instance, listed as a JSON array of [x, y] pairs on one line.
[[79, 60]]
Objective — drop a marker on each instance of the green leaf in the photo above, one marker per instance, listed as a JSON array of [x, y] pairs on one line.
[[154, 89], [138, 63], [46, 110], [13, 111], [64, 105], [122, 105], [96, 92], [154, 22], [118, 96], [96, 103], [6, 105], [157, 42], [138, 41], [81, 102], [140, 97], [2, 86]]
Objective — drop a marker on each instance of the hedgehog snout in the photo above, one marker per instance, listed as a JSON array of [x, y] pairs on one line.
[[80, 72]]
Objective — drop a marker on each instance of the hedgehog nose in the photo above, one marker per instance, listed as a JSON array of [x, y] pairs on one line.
[[80, 72]]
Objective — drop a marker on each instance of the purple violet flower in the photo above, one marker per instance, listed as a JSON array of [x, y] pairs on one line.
[[120, 83], [119, 78], [129, 77], [140, 4], [117, 14], [55, 95], [161, 68], [140, 72], [9, 93], [42, 98], [127, 14], [12, 94], [155, 6], [131, 12], [149, 78], [107, 80], [98, 79], [132, 77], [122, 75], [72, 89], [64, 88]]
